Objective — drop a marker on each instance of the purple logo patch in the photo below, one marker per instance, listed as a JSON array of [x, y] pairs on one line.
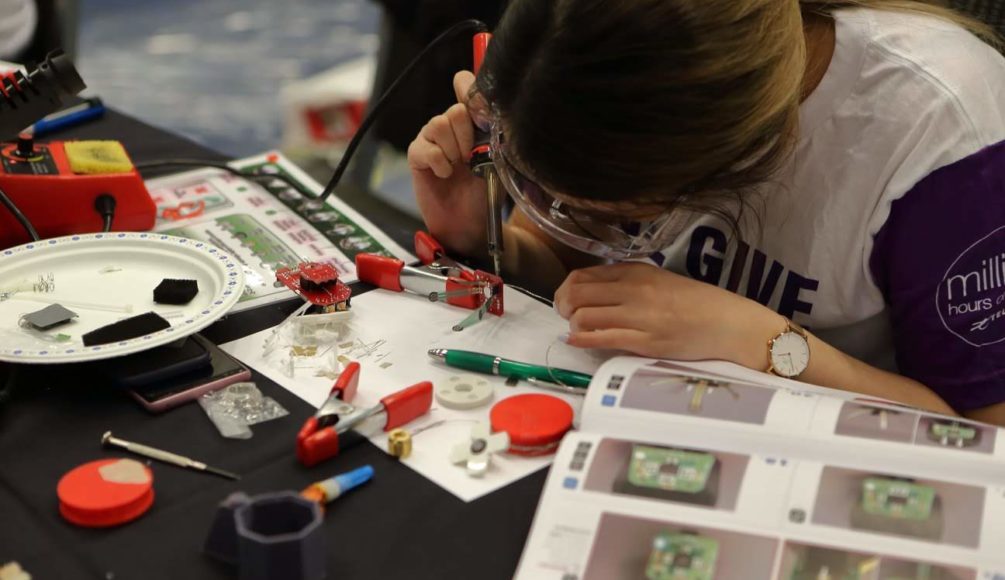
[[971, 297]]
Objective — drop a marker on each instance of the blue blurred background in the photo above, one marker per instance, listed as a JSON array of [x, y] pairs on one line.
[[212, 69]]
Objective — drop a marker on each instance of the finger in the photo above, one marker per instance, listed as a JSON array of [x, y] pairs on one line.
[[440, 131], [426, 156], [634, 341], [610, 272], [463, 81], [464, 130], [604, 317], [571, 297]]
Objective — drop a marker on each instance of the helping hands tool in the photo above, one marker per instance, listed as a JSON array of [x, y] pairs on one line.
[[165, 456], [318, 439], [440, 279], [481, 165]]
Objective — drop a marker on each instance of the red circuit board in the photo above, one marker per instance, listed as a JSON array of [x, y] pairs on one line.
[[496, 283], [315, 282]]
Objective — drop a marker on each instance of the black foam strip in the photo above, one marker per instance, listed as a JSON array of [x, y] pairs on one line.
[[134, 327], [177, 292]]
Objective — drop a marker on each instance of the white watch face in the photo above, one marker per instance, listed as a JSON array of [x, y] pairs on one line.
[[790, 354]]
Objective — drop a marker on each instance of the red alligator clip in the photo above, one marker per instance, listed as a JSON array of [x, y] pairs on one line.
[[318, 439], [441, 279]]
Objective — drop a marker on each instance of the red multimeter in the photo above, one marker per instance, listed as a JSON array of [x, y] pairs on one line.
[[55, 185]]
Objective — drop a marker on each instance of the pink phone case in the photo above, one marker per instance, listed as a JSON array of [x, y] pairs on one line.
[[172, 401]]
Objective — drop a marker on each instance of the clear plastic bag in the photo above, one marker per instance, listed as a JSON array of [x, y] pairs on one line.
[[235, 408]]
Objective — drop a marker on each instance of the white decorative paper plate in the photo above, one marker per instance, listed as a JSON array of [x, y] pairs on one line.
[[105, 278]]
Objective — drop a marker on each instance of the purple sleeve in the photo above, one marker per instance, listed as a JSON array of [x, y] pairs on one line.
[[940, 262]]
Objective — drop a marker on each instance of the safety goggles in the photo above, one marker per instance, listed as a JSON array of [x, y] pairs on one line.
[[592, 231]]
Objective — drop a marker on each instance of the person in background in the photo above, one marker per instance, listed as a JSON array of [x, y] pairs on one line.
[[696, 178], [18, 23]]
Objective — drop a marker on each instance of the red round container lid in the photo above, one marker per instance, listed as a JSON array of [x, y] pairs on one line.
[[535, 423], [105, 493]]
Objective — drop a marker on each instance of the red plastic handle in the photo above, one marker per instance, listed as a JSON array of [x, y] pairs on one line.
[[315, 446], [380, 271], [407, 404], [481, 44], [427, 248], [347, 382]]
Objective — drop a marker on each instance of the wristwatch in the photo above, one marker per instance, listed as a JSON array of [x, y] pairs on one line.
[[789, 352]]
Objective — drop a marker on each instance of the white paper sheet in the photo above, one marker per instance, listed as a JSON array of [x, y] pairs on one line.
[[411, 325]]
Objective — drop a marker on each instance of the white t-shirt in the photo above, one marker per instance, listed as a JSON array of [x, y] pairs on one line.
[[885, 235]]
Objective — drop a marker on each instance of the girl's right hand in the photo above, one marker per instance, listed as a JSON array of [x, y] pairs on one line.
[[452, 199]]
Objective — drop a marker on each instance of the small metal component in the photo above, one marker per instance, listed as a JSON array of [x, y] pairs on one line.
[[495, 225], [165, 456], [444, 296], [399, 443]]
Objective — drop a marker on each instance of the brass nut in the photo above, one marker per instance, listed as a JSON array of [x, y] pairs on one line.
[[399, 443]]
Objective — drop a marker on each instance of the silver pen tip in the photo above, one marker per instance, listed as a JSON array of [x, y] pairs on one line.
[[437, 353]]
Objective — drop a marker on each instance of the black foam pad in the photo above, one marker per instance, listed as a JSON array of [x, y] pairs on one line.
[[136, 326], [179, 292]]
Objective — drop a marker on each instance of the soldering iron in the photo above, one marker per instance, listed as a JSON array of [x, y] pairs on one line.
[[481, 155], [61, 187], [482, 166]]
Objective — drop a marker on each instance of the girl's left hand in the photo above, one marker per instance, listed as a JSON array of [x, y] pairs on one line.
[[652, 312]]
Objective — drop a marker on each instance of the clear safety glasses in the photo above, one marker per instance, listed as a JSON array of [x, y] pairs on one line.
[[591, 231]]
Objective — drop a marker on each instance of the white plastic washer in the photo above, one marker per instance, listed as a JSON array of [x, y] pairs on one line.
[[464, 392]]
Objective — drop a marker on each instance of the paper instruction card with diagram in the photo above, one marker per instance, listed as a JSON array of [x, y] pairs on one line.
[[267, 223], [703, 471]]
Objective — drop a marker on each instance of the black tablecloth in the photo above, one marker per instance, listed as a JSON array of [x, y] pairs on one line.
[[400, 525]]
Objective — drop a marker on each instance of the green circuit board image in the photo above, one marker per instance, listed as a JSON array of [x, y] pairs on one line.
[[953, 434], [679, 556], [897, 499], [670, 469]]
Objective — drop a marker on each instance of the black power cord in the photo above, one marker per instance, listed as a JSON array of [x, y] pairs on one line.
[[104, 204], [19, 216], [463, 26]]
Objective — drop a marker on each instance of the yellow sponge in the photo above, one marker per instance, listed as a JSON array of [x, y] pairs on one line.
[[97, 157]]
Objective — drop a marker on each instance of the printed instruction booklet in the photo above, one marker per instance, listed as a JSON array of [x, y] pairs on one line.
[[703, 471]]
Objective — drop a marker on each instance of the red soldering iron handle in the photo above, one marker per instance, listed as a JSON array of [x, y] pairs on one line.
[[381, 271], [481, 44], [480, 153], [407, 404]]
